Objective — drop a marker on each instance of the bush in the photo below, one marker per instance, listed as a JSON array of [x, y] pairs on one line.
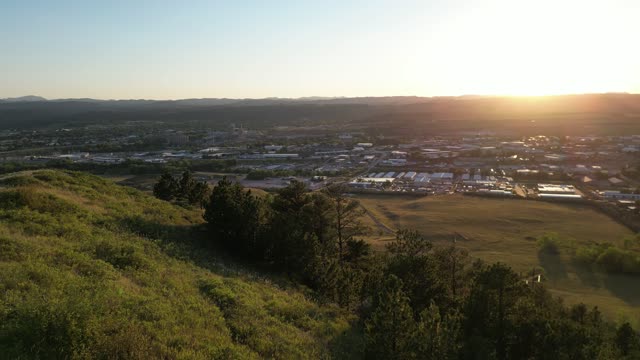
[[121, 257], [549, 243], [616, 260], [610, 258], [587, 255]]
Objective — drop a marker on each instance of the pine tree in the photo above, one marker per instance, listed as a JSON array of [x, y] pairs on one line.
[[390, 331], [186, 185], [489, 310], [438, 337], [293, 242], [166, 188], [235, 218], [627, 340], [199, 193], [410, 261], [409, 243], [347, 213]]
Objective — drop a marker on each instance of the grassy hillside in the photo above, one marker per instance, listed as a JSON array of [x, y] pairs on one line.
[[96, 270], [506, 230]]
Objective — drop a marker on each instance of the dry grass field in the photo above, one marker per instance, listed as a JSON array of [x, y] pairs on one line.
[[506, 230]]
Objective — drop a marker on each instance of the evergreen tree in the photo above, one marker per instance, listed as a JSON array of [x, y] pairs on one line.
[[166, 188], [453, 265], [409, 243], [236, 218], [438, 337], [357, 251], [186, 185], [319, 212], [410, 261], [489, 310], [627, 340], [324, 273], [390, 330], [347, 214], [292, 241], [199, 194], [349, 285]]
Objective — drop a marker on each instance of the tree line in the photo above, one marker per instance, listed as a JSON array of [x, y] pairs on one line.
[[185, 189], [414, 300]]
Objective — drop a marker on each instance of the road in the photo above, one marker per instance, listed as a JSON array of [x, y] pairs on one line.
[[378, 223]]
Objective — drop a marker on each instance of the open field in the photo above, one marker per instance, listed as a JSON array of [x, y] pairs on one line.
[[506, 230]]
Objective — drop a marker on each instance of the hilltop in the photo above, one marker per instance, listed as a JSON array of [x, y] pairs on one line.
[[92, 268]]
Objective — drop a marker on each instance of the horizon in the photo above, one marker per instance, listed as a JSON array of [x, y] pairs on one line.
[[321, 98], [161, 50]]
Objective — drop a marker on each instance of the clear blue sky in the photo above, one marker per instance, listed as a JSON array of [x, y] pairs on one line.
[[182, 49]]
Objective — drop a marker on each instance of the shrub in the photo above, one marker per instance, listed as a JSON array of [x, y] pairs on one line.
[[610, 258], [549, 243], [587, 255], [616, 260], [121, 257]]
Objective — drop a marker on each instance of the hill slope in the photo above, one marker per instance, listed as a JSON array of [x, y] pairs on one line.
[[95, 270]]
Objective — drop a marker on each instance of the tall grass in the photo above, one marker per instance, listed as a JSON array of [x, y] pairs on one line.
[[94, 270]]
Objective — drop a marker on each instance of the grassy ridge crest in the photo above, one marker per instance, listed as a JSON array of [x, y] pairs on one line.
[[96, 270]]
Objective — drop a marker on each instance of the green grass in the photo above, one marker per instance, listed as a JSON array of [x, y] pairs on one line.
[[506, 230], [92, 268]]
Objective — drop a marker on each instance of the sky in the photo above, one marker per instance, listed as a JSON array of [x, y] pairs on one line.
[[161, 49]]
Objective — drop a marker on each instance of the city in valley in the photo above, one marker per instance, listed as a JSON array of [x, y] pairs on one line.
[[584, 161]]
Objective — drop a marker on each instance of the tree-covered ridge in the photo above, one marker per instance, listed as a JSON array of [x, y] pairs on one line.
[[414, 301], [95, 270]]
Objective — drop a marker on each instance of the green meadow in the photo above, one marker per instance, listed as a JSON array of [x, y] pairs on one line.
[[506, 230]]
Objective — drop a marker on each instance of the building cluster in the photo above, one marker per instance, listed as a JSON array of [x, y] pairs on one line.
[[594, 167], [556, 191]]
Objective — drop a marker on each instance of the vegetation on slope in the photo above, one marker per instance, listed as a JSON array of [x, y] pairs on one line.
[[94, 270], [414, 301]]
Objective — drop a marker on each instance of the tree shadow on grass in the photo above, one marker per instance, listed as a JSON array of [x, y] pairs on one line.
[[193, 243], [587, 275], [626, 287], [183, 242], [554, 267], [622, 286], [349, 344]]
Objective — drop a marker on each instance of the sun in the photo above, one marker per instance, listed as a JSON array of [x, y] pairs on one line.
[[546, 48]]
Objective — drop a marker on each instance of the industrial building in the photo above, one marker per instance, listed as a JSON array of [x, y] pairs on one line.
[[558, 192], [556, 189], [364, 183], [617, 195]]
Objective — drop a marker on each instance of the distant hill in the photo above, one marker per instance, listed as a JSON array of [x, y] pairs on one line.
[[91, 269], [399, 115], [28, 98]]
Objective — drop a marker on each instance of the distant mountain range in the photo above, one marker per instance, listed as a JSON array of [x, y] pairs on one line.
[[383, 100], [369, 100], [27, 98], [599, 112]]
